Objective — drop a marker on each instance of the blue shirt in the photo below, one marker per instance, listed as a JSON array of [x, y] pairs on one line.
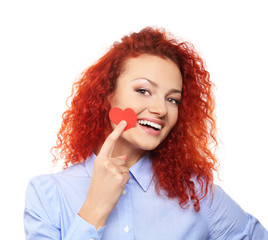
[[53, 202]]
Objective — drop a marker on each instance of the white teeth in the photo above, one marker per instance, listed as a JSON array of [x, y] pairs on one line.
[[145, 122]]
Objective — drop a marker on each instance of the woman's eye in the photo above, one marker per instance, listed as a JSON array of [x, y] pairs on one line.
[[143, 91], [174, 101]]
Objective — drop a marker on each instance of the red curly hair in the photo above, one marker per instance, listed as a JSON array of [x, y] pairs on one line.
[[186, 153]]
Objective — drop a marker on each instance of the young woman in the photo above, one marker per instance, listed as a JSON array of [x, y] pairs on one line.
[[151, 181]]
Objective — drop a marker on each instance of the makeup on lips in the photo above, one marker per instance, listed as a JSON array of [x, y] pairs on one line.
[[151, 126]]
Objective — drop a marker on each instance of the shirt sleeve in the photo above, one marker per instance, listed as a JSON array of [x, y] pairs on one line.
[[228, 221], [42, 217]]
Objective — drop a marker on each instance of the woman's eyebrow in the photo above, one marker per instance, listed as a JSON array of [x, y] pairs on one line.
[[155, 85], [148, 80], [174, 91]]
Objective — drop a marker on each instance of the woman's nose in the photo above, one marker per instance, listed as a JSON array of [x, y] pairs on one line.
[[158, 106]]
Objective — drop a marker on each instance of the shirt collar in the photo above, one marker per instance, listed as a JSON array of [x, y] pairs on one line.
[[142, 170]]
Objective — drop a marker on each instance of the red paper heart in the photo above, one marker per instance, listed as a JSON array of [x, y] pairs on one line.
[[117, 115]]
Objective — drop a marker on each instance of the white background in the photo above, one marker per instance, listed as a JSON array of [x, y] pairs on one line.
[[45, 45]]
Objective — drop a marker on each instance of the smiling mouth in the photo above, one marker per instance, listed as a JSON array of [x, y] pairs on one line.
[[150, 125]]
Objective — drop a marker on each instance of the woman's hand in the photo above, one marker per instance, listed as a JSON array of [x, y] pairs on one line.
[[108, 179]]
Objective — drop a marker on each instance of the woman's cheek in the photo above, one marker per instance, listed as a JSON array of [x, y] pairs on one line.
[[175, 118]]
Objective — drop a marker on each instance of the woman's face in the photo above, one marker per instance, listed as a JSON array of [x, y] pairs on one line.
[[151, 86]]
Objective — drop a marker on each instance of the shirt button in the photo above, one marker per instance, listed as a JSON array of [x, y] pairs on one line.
[[124, 192], [126, 228]]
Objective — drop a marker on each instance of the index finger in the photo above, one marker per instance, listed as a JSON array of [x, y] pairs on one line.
[[108, 145]]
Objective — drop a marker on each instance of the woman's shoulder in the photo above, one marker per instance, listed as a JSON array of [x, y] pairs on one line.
[[225, 218], [69, 176], [48, 189], [48, 183], [212, 196]]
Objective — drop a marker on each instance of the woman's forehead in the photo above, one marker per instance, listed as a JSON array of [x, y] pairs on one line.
[[154, 68]]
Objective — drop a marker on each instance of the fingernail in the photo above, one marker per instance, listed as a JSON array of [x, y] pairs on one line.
[[123, 123]]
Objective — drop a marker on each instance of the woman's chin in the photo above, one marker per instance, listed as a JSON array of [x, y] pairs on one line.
[[140, 140], [147, 146]]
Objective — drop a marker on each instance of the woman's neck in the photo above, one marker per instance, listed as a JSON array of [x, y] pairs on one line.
[[133, 154], [122, 147]]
